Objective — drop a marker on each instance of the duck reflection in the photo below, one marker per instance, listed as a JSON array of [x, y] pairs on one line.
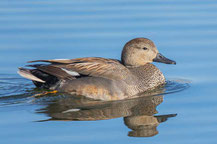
[[138, 113]]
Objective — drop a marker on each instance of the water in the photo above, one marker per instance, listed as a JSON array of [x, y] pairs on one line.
[[185, 31]]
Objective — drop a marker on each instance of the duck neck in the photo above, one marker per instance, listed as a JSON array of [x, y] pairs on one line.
[[148, 76]]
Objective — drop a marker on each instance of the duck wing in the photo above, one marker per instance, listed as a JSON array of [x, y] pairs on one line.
[[91, 66]]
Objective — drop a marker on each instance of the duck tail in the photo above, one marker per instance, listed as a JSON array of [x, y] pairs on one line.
[[39, 78], [27, 73]]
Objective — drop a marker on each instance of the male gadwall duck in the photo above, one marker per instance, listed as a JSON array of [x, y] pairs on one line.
[[101, 78]]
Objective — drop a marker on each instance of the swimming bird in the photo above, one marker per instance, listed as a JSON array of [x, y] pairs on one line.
[[102, 78]]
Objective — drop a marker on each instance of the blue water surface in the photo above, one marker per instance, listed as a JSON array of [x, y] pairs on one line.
[[183, 30]]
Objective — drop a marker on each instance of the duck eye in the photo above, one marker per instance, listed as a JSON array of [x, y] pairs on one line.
[[145, 48]]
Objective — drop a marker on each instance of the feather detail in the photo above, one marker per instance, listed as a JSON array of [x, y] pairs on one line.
[[91, 66], [27, 74]]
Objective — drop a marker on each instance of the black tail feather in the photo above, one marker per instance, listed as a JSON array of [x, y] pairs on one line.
[[40, 79], [50, 80]]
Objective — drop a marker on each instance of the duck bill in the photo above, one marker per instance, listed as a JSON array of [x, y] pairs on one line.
[[162, 59]]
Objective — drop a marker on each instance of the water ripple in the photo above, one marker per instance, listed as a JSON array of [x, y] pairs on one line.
[[13, 90]]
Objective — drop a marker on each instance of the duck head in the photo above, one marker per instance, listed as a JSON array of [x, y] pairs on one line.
[[140, 51]]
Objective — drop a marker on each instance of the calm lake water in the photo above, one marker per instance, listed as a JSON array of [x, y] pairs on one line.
[[183, 30]]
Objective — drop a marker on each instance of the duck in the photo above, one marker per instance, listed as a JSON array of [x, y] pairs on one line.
[[102, 78]]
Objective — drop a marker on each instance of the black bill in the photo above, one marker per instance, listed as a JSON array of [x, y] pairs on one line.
[[162, 59]]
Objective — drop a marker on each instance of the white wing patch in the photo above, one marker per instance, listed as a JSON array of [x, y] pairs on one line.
[[73, 73], [71, 110]]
